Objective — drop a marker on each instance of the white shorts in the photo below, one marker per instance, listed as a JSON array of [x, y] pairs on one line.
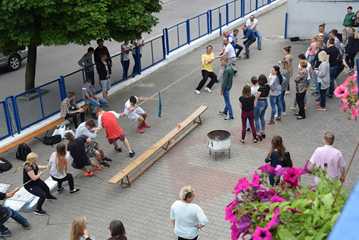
[[106, 84], [136, 113]]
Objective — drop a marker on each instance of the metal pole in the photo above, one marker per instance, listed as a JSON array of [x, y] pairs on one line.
[[188, 32], [227, 14], [41, 105], [167, 39], [285, 25], [220, 23], [62, 88], [208, 25], [16, 114], [163, 43], [8, 117], [256, 5]]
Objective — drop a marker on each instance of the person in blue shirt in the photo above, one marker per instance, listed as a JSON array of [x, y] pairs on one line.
[[250, 39]]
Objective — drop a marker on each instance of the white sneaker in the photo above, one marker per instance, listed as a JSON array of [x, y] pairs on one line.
[[275, 115], [283, 113], [197, 92], [208, 90]]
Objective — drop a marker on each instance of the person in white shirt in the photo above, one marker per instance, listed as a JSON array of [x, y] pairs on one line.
[[187, 218], [252, 23], [229, 52], [135, 112], [126, 47], [140, 43]]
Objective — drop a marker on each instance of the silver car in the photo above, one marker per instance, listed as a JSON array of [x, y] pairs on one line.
[[13, 61]]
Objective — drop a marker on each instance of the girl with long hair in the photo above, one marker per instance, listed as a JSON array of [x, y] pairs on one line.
[[117, 230], [301, 88], [275, 156], [284, 85], [78, 229], [247, 102], [276, 86], [58, 171], [262, 104], [323, 73], [289, 59], [352, 48]]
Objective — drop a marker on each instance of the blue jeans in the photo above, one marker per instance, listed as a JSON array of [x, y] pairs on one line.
[[332, 71], [228, 106], [274, 100], [315, 80], [96, 104], [310, 59], [282, 94], [14, 215], [259, 113], [259, 36]]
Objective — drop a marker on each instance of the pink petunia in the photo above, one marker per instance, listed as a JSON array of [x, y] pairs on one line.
[[235, 232], [230, 216], [291, 175], [346, 104], [275, 221], [261, 234], [244, 223], [354, 89], [242, 184], [276, 199], [279, 171], [255, 180], [268, 169], [341, 91], [354, 113]]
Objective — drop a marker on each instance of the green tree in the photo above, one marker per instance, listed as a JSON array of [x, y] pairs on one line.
[[33, 23]]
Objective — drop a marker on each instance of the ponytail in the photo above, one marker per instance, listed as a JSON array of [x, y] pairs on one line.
[[279, 75]]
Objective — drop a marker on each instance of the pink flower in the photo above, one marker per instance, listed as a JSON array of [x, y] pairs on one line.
[[230, 215], [305, 169], [240, 227], [275, 221], [346, 104], [276, 199], [355, 74], [255, 180], [357, 103], [279, 171], [354, 114], [292, 185], [291, 175], [268, 169], [354, 89], [341, 91], [242, 184], [235, 232], [261, 234]]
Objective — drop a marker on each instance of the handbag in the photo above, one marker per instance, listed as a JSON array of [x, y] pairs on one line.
[[60, 131], [287, 162]]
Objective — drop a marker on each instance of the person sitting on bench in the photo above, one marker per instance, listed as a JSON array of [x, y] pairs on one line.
[[69, 109], [134, 112], [90, 98]]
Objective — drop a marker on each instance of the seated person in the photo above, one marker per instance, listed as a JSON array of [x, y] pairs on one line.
[[90, 98], [69, 109], [134, 112]]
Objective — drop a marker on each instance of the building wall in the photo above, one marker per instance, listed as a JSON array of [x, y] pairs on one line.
[[305, 16]]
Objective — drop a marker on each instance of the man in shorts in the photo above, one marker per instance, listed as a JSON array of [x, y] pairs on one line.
[[76, 147], [135, 112], [114, 132], [92, 149], [104, 71]]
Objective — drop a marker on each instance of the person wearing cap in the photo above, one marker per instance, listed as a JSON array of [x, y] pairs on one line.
[[347, 23], [188, 218]]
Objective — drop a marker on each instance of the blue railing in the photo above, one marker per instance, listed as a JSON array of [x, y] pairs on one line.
[[31, 107]]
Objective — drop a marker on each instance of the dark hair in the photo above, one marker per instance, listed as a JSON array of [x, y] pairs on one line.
[[244, 25], [61, 149], [90, 49], [69, 136], [133, 99], [209, 46], [117, 229], [91, 123], [88, 80], [246, 91], [262, 79], [103, 54], [235, 30], [287, 49], [350, 7], [322, 25], [334, 32], [70, 94], [277, 143], [279, 75], [99, 40], [331, 41], [254, 80], [302, 56], [188, 195]]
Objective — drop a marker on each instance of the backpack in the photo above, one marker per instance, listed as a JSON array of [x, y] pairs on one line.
[[287, 162], [5, 165], [22, 151], [51, 140]]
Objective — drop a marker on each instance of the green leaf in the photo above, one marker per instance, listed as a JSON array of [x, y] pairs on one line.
[[285, 234], [320, 236], [328, 200], [322, 211]]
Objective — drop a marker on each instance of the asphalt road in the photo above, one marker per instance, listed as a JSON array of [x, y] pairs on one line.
[[53, 62]]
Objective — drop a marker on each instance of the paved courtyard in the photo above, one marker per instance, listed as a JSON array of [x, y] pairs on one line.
[[144, 208]]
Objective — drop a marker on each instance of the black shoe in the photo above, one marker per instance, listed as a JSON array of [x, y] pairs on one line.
[[51, 198], [132, 154], [118, 149], [254, 140], [75, 190], [41, 213], [107, 159], [259, 137], [59, 190], [330, 96], [222, 113], [217, 81], [238, 57], [94, 116], [27, 226], [246, 57], [8, 234], [318, 99], [263, 135], [248, 130], [229, 119], [105, 165], [235, 71]]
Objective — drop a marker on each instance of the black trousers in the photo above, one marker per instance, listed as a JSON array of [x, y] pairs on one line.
[[134, 70], [74, 118], [247, 43], [349, 59], [240, 48], [300, 101], [68, 178], [125, 65], [91, 75], [179, 238], [206, 75], [41, 190]]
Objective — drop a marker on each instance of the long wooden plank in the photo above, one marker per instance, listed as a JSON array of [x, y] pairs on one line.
[[135, 176], [153, 149]]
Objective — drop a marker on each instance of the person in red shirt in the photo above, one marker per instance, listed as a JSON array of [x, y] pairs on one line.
[[114, 132]]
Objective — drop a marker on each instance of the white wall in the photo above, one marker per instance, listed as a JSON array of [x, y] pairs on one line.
[[304, 17]]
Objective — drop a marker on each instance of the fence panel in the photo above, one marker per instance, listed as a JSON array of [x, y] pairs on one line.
[[222, 9], [198, 26], [117, 68], [152, 53], [177, 36], [215, 19], [74, 83], [232, 11], [5, 121], [51, 101]]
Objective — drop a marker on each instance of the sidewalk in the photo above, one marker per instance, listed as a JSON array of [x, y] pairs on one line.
[[145, 207]]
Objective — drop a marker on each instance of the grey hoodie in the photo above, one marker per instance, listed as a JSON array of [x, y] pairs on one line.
[[86, 62]]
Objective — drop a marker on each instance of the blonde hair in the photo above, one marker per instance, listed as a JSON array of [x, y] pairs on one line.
[[315, 37], [322, 56], [77, 228], [186, 192], [303, 63], [285, 65], [31, 158]]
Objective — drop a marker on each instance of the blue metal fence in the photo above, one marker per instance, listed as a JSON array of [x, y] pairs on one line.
[[28, 108]]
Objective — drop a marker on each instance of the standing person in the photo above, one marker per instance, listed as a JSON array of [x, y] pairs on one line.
[[311, 49], [355, 21], [101, 48], [114, 132], [69, 109], [262, 105], [117, 230], [78, 229], [6, 213], [137, 55], [126, 47], [247, 102], [135, 112], [237, 46], [323, 74], [58, 168], [351, 49], [301, 87], [229, 53], [284, 85], [275, 156], [334, 34], [252, 23], [90, 98], [207, 71], [254, 91], [347, 23], [104, 71], [334, 55], [276, 86], [321, 30], [341, 66], [329, 158], [226, 87], [316, 63], [289, 59], [187, 218], [76, 147], [86, 62], [250, 39], [34, 185]]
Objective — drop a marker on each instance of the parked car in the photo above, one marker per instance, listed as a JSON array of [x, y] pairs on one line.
[[13, 61]]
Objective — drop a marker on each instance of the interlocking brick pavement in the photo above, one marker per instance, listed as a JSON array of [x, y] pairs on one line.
[[144, 208]]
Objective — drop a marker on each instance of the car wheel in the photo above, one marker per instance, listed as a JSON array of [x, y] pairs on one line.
[[14, 62]]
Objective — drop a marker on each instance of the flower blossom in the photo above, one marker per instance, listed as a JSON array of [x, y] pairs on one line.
[[291, 175], [279, 171], [242, 184], [261, 234], [268, 169], [275, 221], [276, 199]]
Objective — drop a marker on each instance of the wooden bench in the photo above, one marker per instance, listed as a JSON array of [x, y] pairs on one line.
[[165, 143]]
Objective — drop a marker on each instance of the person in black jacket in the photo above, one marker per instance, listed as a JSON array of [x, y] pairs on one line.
[[104, 71], [351, 49], [99, 49]]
